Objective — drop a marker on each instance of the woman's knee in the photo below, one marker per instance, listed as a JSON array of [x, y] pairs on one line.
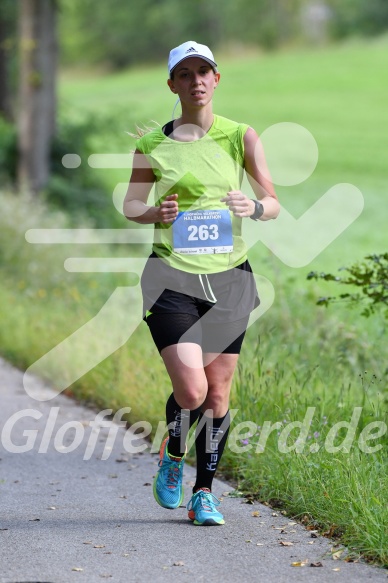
[[190, 396]]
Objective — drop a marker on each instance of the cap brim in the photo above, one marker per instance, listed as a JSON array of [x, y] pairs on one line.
[[212, 63]]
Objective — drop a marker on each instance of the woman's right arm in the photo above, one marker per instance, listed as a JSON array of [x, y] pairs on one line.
[[135, 203]]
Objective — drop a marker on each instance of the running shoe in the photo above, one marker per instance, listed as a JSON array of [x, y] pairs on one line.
[[168, 489], [202, 509]]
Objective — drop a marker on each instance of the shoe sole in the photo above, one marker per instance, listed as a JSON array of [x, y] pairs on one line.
[[209, 522]]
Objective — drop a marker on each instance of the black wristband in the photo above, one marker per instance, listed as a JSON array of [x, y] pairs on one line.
[[259, 210]]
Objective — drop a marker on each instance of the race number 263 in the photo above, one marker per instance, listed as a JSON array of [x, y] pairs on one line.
[[203, 232]]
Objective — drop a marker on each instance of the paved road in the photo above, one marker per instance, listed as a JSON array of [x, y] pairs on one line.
[[66, 519]]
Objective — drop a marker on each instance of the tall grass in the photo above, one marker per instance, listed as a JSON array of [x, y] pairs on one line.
[[341, 491]]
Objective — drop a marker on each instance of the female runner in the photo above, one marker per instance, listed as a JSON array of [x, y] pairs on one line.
[[198, 288]]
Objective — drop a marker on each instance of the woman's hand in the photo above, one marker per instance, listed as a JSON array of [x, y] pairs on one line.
[[239, 203], [168, 210]]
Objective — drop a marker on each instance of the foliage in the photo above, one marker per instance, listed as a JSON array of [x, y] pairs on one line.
[[8, 54], [126, 32], [8, 153], [81, 192], [371, 276], [362, 17]]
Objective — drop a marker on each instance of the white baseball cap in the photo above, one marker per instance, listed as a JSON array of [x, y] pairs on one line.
[[189, 49]]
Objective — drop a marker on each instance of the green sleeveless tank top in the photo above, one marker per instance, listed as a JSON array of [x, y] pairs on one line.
[[201, 173]]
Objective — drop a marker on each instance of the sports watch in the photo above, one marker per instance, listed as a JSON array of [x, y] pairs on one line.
[[259, 210]]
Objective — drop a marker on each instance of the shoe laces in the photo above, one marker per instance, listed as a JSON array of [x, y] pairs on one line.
[[172, 469], [205, 500]]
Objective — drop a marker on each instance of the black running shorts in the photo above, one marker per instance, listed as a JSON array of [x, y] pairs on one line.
[[210, 310]]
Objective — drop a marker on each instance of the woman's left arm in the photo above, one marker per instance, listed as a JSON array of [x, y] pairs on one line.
[[260, 181]]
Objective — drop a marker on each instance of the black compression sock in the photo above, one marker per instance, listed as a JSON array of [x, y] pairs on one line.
[[179, 422], [210, 440]]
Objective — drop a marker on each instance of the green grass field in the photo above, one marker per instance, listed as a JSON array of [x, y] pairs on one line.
[[297, 355]]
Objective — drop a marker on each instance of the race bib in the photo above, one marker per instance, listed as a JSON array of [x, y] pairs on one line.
[[198, 232]]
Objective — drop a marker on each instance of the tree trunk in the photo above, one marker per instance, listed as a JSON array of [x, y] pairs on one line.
[[37, 92]]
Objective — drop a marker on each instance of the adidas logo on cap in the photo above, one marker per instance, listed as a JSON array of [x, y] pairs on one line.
[[191, 50]]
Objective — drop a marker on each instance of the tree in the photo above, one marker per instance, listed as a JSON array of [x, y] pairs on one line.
[[37, 91], [371, 275]]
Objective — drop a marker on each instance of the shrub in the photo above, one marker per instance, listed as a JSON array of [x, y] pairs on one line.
[[370, 275]]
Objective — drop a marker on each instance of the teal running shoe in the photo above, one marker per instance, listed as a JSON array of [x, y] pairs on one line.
[[202, 509], [168, 489]]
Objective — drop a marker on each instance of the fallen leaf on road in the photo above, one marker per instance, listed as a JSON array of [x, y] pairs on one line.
[[311, 542], [99, 546], [146, 484], [255, 513], [88, 542], [274, 514], [248, 541], [318, 564], [112, 475], [292, 523], [178, 564], [77, 569], [299, 563], [33, 519], [337, 555], [51, 508], [285, 543], [259, 544], [225, 493], [336, 569], [105, 575]]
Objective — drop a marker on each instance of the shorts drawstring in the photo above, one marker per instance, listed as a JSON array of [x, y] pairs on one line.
[[212, 299]]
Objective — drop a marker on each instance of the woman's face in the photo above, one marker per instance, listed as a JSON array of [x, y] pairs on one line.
[[194, 82]]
